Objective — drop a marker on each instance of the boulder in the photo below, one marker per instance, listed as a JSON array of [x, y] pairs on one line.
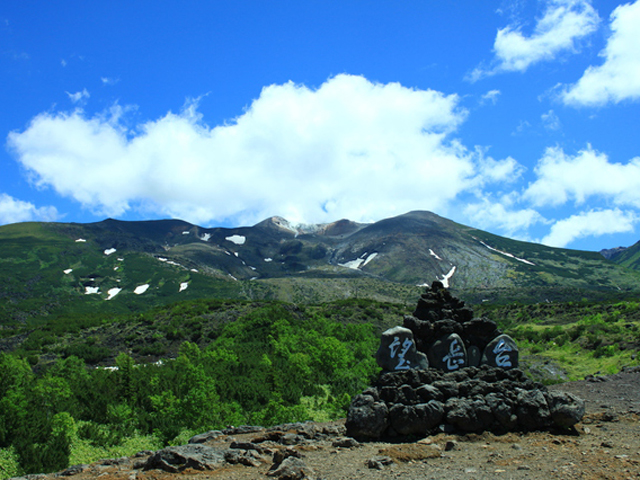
[[367, 418], [398, 351], [501, 352], [448, 353], [566, 409], [416, 420], [177, 459]]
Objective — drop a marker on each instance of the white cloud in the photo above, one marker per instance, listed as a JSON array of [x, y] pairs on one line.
[[490, 97], [79, 97], [503, 215], [563, 178], [591, 223], [562, 25], [109, 80], [551, 121], [618, 78], [13, 211], [350, 148]]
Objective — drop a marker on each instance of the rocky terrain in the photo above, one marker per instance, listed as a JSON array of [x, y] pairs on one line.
[[604, 445]]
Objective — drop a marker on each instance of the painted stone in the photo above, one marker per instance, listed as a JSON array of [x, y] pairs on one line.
[[398, 351], [448, 353], [501, 352]]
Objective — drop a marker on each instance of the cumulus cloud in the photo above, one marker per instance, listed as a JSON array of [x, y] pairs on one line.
[[350, 148], [562, 178], [13, 211], [591, 223], [504, 215], [618, 78], [559, 30]]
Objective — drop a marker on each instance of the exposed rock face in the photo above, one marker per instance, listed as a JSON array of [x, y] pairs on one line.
[[417, 403]]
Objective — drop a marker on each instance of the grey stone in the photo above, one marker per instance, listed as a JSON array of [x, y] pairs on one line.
[[379, 461], [291, 468], [205, 437], [566, 409], [398, 351], [448, 353], [501, 352], [250, 458], [176, 459]]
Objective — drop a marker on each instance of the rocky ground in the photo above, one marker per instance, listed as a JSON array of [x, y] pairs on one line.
[[605, 445]]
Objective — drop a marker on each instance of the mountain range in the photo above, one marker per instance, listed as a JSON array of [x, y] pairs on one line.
[[121, 267]]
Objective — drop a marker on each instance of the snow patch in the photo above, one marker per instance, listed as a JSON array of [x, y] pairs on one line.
[[194, 270], [433, 254], [109, 251], [80, 240], [369, 258], [237, 239], [91, 290], [68, 271], [186, 232], [113, 292], [205, 237], [268, 260], [140, 289], [445, 279], [506, 254], [183, 286], [162, 259], [359, 262]]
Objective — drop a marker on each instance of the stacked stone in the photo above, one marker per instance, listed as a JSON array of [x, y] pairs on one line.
[[446, 331], [415, 403], [447, 371]]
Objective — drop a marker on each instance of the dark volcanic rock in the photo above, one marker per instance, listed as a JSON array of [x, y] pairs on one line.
[[367, 418], [472, 383], [502, 352], [398, 351], [448, 353], [471, 399]]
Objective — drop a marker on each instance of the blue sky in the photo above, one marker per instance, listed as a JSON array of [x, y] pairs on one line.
[[517, 117]]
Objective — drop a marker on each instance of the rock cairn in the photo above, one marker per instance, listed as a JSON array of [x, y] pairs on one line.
[[446, 371], [446, 331]]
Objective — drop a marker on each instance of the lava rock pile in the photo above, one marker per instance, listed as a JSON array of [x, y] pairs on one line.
[[445, 371]]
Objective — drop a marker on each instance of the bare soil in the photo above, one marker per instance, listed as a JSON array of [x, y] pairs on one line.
[[605, 445]]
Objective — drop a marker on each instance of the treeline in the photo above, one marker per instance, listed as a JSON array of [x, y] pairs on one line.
[[272, 365]]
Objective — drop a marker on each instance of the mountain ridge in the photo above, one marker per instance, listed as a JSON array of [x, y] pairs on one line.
[[46, 267]]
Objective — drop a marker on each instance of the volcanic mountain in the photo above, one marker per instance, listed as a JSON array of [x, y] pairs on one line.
[[125, 266]]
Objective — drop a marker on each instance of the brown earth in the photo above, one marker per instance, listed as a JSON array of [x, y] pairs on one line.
[[605, 445]]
